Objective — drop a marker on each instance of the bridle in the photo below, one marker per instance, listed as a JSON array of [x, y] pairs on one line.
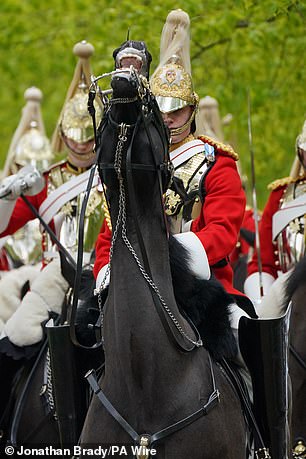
[[126, 134]]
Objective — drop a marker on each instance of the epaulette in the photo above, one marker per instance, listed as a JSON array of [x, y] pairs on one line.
[[219, 146], [285, 181], [57, 164]]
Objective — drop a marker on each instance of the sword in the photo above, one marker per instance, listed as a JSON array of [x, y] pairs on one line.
[[254, 198]]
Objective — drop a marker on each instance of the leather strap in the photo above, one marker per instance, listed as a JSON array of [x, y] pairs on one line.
[[203, 411]]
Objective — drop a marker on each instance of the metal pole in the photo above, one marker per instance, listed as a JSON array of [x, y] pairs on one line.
[[254, 197]]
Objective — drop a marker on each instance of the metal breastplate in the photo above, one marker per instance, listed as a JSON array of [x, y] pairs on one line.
[[67, 219], [25, 244], [191, 174], [291, 241]]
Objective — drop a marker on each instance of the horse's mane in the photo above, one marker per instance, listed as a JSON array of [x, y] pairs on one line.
[[205, 302]]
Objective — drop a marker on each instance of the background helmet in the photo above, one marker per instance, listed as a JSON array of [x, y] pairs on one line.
[[208, 119], [29, 144], [298, 166], [75, 123]]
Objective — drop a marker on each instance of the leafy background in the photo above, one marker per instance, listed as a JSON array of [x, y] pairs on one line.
[[236, 46]]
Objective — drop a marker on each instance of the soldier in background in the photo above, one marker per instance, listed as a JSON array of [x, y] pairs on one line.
[[282, 235], [29, 146], [58, 202], [210, 123]]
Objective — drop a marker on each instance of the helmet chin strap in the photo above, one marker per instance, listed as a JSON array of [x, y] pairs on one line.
[[181, 129], [79, 160]]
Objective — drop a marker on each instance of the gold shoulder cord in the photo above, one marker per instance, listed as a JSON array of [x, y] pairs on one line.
[[222, 147], [285, 181]]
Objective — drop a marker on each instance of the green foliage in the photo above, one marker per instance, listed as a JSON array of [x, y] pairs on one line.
[[236, 47]]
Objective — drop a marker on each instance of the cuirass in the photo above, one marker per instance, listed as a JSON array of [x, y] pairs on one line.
[[67, 219], [291, 241], [25, 244], [191, 174]]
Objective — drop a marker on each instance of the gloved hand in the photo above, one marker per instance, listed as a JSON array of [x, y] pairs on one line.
[[47, 294], [28, 181], [10, 290]]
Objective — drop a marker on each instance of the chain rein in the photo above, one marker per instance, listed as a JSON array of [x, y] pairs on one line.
[[121, 219]]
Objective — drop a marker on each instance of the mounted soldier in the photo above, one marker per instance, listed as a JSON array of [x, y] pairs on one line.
[[29, 146], [282, 246], [282, 239], [58, 202], [195, 161], [55, 197], [208, 222]]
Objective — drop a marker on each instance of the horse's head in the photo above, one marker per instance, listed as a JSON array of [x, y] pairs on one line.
[[132, 133], [133, 53]]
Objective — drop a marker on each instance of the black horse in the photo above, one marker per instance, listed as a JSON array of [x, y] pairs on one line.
[[161, 388]]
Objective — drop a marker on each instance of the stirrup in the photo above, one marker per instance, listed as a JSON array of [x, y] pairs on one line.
[[262, 453], [299, 449]]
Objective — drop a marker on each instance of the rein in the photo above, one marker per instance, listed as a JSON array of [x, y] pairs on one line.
[[144, 268], [147, 440]]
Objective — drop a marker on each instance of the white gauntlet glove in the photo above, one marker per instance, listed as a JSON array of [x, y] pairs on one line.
[[47, 294], [10, 290], [28, 181]]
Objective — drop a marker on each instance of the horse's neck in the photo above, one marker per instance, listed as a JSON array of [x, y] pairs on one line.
[[134, 334]]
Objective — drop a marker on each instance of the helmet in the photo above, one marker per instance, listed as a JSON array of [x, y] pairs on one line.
[[29, 144], [171, 82], [76, 123], [33, 148], [301, 139], [208, 120], [134, 49], [299, 164], [172, 87], [75, 127]]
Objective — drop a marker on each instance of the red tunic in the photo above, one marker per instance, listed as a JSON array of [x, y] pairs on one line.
[[268, 249], [22, 214], [218, 225]]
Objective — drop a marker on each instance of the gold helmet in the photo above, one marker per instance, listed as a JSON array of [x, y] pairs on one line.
[[171, 82], [29, 144], [75, 125], [299, 166], [208, 119], [172, 87]]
